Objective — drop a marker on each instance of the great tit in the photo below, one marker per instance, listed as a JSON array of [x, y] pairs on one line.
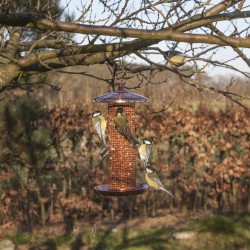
[[122, 126], [153, 180], [144, 150], [181, 63], [100, 125], [176, 58]]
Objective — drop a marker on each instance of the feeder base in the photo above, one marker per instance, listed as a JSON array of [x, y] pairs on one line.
[[105, 190]]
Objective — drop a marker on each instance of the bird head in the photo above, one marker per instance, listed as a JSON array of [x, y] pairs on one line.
[[171, 53], [150, 170], [119, 111], [147, 141], [96, 113]]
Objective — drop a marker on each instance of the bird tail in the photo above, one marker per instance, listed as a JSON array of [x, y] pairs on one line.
[[103, 140], [104, 151], [143, 165], [133, 141], [168, 192]]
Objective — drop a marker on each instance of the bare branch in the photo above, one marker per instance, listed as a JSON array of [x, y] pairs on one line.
[[46, 24]]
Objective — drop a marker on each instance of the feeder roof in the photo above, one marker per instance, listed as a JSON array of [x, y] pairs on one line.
[[121, 95]]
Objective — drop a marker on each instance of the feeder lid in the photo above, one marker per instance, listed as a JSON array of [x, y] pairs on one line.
[[121, 95]]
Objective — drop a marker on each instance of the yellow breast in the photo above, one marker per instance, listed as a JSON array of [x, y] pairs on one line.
[[150, 182], [142, 151], [103, 123], [178, 59]]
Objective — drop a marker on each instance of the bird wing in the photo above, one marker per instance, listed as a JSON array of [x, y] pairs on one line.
[[103, 125], [188, 70], [98, 128], [148, 150], [156, 179], [127, 131]]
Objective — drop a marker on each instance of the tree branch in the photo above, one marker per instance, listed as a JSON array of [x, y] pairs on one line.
[[218, 8], [46, 24], [77, 50], [205, 20]]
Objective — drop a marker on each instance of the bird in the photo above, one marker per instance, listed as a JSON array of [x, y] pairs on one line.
[[100, 125], [122, 126], [181, 63], [144, 150], [153, 180], [176, 58]]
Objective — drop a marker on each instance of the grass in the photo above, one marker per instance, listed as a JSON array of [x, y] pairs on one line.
[[213, 232], [24, 238], [28, 239]]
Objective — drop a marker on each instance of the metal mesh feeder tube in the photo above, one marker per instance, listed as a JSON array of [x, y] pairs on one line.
[[122, 154], [122, 174]]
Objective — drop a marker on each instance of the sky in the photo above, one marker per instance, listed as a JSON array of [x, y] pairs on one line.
[[223, 54]]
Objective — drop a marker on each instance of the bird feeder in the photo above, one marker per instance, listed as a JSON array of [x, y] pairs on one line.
[[122, 155]]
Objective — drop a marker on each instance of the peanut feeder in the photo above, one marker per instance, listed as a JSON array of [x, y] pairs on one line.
[[122, 155]]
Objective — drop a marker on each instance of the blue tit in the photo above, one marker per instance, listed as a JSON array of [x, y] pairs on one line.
[[176, 58], [100, 125], [153, 180], [144, 150], [122, 126]]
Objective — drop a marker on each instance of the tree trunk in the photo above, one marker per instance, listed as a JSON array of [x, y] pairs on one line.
[[8, 73]]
